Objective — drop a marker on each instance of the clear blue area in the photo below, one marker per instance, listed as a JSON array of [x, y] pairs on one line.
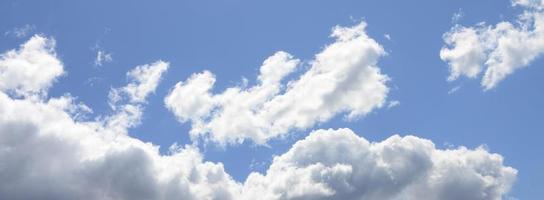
[[232, 38]]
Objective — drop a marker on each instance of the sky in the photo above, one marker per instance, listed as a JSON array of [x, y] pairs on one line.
[[240, 99]]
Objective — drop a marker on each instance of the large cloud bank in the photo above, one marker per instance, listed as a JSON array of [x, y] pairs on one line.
[[496, 50], [48, 151]]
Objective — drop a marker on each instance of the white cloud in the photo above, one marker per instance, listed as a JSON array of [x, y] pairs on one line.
[[498, 50], [48, 152], [102, 57], [144, 80], [30, 69], [338, 164], [467, 56], [343, 78], [127, 101]]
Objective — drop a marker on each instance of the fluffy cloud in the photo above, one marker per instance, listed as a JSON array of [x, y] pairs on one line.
[[343, 78], [30, 69], [144, 79], [127, 101], [498, 50], [47, 152], [338, 164]]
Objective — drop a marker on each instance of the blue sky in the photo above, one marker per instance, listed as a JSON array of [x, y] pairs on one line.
[[231, 39]]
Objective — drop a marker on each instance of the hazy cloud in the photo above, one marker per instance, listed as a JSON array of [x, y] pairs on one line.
[[21, 32]]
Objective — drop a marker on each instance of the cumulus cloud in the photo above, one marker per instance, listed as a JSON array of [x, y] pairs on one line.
[[32, 68], [497, 50], [144, 80], [127, 101], [343, 78], [47, 152], [338, 164], [44, 154]]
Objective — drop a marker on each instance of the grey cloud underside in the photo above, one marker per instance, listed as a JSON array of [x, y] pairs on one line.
[[75, 162], [47, 152], [338, 164]]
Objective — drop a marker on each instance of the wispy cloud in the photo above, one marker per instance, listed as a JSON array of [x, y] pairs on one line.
[[454, 89], [393, 103], [387, 36], [457, 16], [102, 57], [21, 32]]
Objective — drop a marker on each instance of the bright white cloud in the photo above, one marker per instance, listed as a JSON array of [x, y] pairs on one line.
[[338, 164], [127, 101], [498, 50], [343, 78], [48, 152], [144, 80], [30, 69]]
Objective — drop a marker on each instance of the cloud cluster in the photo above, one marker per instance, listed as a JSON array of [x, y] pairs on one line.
[[46, 152], [338, 164], [343, 78], [497, 50]]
